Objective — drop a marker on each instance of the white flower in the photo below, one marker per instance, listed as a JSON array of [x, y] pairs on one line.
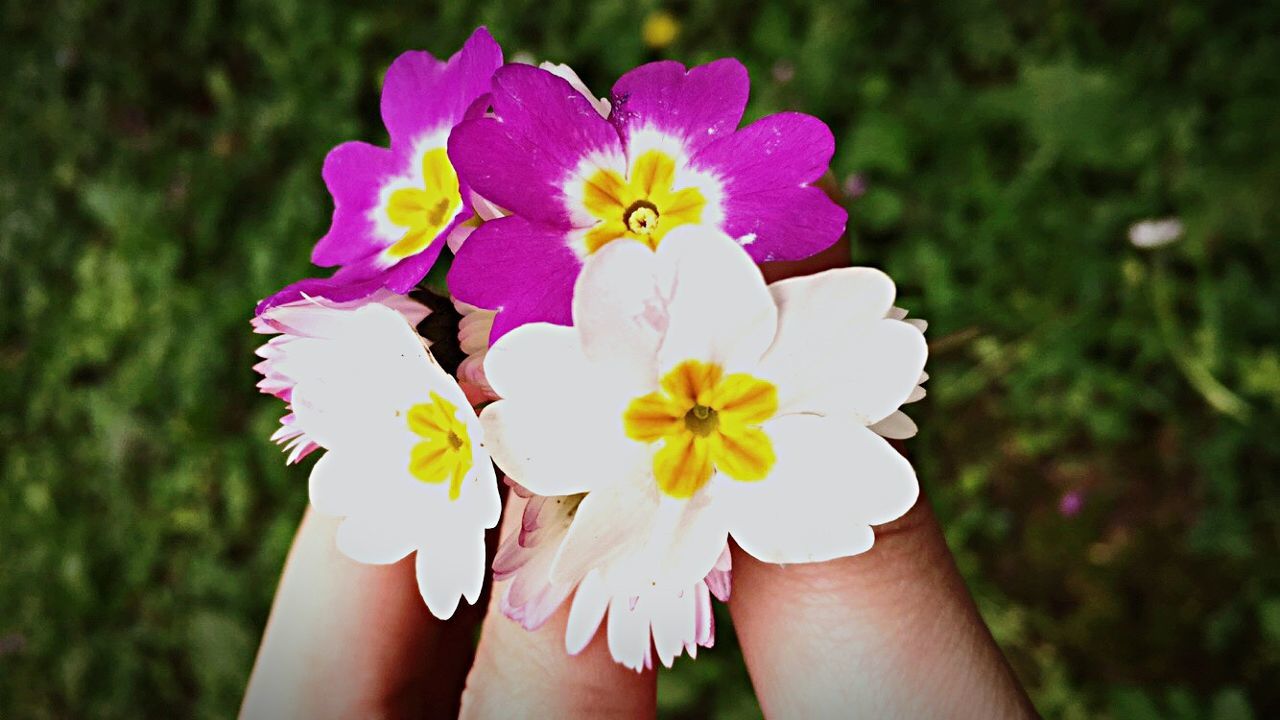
[[1150, 234], [406, 464], [671, 621], [691, 402], [292, 321]]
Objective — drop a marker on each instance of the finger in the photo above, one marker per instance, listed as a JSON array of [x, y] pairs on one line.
[[520, 673], [892, 632], [344, 639]]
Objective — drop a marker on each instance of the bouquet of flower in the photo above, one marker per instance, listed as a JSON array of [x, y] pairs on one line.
[[607, 341]]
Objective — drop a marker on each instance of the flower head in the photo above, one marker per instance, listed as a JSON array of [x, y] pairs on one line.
[[722, 406], [673, 621], [395, 207], [299, 320], [405, 462], [669, 155]]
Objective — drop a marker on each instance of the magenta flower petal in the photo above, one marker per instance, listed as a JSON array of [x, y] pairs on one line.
[[524, 270], [342, 287], [697, 105], [769, 203], [551, 161], [354, 172], [543, 131], [421, 94], [394, 209]]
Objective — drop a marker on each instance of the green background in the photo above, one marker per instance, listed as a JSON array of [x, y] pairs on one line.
[[160, 172]]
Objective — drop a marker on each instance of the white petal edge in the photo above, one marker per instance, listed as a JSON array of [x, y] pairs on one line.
[[832, 480], [589, 605], [449, 570]]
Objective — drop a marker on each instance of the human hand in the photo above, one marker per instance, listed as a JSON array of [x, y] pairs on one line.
[[892, 632]]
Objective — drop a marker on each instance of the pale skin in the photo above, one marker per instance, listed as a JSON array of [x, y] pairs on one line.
[[891, 633]]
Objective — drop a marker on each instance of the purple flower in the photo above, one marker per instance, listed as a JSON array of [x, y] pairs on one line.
[[394, 207], [1071, 503], [669, 154]]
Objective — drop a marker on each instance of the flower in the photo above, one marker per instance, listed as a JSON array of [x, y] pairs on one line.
[[674, 622], [298, 320], [1071, 503], [669, 155], [394, 208], [660, 29], [719, 405], [405, 464], [485, 210], [1150, 234]]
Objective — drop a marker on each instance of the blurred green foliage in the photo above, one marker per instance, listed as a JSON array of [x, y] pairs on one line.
[[159, 172]]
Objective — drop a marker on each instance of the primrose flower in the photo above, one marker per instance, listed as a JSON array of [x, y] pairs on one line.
[[298, 320], [405, 463], [690, 402], [669, 154], [394, 208], [674, 622]]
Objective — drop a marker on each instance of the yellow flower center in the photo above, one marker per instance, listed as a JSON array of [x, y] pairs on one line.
[[706, 421], [445, 450], [424, 212], [645, 206]]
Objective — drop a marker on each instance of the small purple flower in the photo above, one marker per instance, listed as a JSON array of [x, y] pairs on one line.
[[1071, 503], [669, 154], [394, 207]]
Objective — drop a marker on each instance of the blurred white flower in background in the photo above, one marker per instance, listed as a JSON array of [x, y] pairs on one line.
[[1150, 234]]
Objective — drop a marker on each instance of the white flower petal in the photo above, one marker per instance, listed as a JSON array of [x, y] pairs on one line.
[[839, 297], [673, 616], [835, 354], [373, 540], [610, 523], [343, 483], [719, 310], [895, 427], [642, 539], [833, 478], [480, 490], [557, 448], [559, 423], [620, 312], [537, 361], [449, 570], [353, 383], [628, 633], [589, 605]]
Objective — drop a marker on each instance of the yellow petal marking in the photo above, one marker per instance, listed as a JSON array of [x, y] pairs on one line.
[[426, 211], [706, 421], [643, 206], [445, 450]]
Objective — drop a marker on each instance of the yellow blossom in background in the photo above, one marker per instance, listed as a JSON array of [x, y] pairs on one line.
[[661, 28]]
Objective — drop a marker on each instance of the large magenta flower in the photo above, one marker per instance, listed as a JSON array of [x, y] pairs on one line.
[[669, 154], [394, 208]]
